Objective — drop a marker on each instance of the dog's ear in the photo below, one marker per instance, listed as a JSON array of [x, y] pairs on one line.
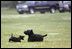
[[11, 35], [31, 31]]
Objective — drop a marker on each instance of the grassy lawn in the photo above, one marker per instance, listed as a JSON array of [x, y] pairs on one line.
[[57, 26]]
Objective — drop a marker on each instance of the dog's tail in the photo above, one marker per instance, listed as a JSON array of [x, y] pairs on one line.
[[44, 35]]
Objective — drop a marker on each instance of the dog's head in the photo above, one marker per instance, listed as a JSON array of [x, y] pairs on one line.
[[21, 37], [29, 32]]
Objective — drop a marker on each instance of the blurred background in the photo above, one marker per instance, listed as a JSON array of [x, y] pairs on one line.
[[32, 6], [10, 4], [44, 17]]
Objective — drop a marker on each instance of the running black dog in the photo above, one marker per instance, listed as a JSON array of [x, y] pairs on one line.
[[34, 37], [16, 39]]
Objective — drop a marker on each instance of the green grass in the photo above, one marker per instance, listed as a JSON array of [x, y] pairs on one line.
[[57, 26]]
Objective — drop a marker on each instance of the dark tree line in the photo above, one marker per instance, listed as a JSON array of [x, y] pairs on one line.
[[10, 4]]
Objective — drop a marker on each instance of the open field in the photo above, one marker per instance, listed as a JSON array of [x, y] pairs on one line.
[[57, 26]]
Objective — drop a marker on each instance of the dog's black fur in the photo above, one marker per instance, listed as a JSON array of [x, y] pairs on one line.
[[34, 37], [16, 39]]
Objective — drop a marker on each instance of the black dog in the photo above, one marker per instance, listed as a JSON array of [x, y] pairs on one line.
[[34, 37], [16, 39]]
